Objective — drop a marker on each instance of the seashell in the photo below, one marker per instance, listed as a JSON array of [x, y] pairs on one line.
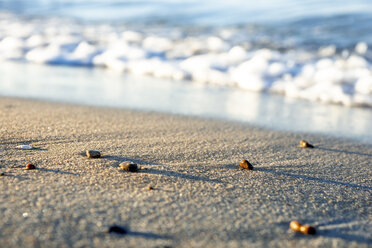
[[305, 144], [246, 165], [129, 166], [93, 154], [25, 147], [30, 167], [117, 229], [298, 227]]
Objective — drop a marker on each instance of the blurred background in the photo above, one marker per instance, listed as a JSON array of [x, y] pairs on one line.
[[287, 65]]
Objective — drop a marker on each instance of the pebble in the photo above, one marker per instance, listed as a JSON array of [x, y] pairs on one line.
[[246, 165], [117, 229], [30, 167], [2, 173], [295, 225], [306, 229], [129, 166], [298, 227], [150, 188], [305, 144], [93, 154], [25, 147]]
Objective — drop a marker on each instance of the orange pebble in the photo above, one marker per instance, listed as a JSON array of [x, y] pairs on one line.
[[246, 165], [298, 227], [30, 167], [295, 225], [306, 229], [305, 144]]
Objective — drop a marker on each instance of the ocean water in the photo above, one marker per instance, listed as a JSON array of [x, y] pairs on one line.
[[275, 52]]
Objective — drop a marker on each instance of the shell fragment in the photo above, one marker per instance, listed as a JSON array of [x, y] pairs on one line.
[[25, 147]]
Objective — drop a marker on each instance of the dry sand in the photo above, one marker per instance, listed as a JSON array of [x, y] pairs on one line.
[[201, 197]]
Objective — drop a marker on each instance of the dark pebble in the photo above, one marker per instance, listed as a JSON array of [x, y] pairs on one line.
[[129, 166], [117, 229], [246, 165], [305, 229], [305, 144], [150, 188], [2, 173], [93, 154], [30, 167]]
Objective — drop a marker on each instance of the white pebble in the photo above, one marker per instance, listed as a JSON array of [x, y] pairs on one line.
[[25, 147]]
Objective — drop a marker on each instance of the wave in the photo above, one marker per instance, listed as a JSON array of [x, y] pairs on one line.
[[240, 56]]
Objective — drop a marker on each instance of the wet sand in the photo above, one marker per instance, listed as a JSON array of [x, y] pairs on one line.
[[201, 198]]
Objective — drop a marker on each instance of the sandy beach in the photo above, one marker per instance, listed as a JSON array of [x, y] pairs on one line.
[[200, 197]]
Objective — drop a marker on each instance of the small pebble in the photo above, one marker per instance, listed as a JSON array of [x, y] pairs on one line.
[[129, 166], [150, 188], [93, 154], [117, 229], [2, 173], [25, 147], [306, 229], [298, 227], [295, 225], [30, 167], [246, 165], [305, 144]]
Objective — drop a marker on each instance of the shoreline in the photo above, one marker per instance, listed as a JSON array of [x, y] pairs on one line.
[[294, 121], [201, 198], [85, 86]]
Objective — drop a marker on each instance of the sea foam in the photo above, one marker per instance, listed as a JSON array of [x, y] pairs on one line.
[[220, 57]]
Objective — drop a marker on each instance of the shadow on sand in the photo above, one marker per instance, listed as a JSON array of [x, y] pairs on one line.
[[15, 176], [121, 231], [122, 159], [181, 175], [340, 228], [343, 151], [160, 171], [59, 171], [147, 235], [316, 179]]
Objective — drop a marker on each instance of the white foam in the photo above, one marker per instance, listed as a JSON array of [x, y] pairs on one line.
[[361, 48], [364, 85], [327, 51], [216, 58], [42, 55], [35, 40], [11, 48], [83, 53], [157, 44], [216, 44], [131, 36]]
